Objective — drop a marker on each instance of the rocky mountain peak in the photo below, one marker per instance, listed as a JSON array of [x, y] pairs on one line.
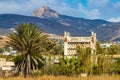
[[45, 12], [45, 7]]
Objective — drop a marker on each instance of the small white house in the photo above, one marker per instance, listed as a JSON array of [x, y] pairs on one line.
[[105, 45], [10, 51], [9, 66], [6, 65]]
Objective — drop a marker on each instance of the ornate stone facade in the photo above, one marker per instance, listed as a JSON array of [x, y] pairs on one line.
[[71, 43]]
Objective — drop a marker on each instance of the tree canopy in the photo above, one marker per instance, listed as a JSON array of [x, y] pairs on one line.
[[30, 42]]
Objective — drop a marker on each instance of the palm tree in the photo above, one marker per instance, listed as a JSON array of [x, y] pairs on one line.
[[29, 41]]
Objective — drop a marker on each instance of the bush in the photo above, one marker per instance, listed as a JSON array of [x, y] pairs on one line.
[[68, 67], [95, 70]]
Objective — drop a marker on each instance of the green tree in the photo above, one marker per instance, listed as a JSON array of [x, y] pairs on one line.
[[29, 41], [114, 49], [84, 57], [116, 66], [58, 49], [104, 61], [99, 50]]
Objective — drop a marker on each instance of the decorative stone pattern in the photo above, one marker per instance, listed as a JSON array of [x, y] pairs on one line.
[[71, 43]]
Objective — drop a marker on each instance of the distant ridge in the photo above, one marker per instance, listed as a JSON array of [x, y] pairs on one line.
[[52, 22]]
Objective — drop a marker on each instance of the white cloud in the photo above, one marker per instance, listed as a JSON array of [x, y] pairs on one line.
[[26, 7], [106, 8], [116, 6], [94, 8], [90, 13], [114, 19], [93, 14], [97, 3], [6, 7], [65, 9]]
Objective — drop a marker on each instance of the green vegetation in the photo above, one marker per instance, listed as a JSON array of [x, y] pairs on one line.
[[29, 41], [31, 44], [114, 49], [99, 63]]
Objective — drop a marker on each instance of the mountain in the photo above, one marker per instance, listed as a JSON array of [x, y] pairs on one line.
[[46, 12], [52, 22]]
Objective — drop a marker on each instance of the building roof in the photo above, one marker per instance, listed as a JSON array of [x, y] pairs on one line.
[[79, 39]]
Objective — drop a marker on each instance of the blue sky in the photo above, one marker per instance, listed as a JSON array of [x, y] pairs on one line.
[[90, 9]]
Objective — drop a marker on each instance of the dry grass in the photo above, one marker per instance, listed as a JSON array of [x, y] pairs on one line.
[[64, 78]]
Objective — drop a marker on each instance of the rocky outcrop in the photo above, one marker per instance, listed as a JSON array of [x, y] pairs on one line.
[[45, 12]]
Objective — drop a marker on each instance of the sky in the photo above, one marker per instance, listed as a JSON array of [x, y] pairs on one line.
[[90, 9]]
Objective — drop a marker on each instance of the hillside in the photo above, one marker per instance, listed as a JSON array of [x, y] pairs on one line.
[[52, 22]]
